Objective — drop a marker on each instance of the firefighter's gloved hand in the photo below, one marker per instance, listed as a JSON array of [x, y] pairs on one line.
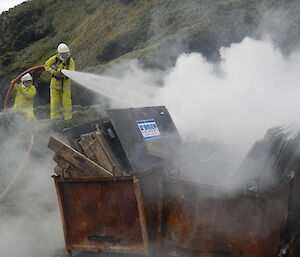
[[58, 74], [18, 86]]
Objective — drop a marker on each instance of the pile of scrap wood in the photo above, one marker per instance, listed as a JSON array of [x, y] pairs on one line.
[[72, 164]]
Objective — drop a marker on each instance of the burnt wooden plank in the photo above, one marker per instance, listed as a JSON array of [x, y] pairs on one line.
[[96, 148], [77, 159], [108, 152], [86, 142], [101, 152], [65, 169], [58, 170]]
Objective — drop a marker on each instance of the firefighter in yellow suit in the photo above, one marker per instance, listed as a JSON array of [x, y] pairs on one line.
[[60, 85], [25, 92]]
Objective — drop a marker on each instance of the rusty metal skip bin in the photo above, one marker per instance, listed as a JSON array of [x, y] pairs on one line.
[[212, 219], [117, 195], [107, 204], [103, 214]]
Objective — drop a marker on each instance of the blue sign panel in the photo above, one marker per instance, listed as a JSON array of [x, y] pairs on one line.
[[148, 129]]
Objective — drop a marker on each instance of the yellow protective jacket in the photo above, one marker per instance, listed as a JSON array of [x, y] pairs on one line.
[[59, 81], [24, 97]]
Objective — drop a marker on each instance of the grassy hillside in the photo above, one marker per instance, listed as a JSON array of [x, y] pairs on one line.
[[154, 31]]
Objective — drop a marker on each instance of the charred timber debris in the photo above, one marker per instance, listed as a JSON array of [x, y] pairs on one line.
[[118, 192]]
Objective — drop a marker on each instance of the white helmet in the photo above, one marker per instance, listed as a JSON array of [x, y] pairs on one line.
[[63, 52], [26, 77], [63, 48]]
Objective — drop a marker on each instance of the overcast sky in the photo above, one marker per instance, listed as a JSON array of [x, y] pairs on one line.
[[6, 4]]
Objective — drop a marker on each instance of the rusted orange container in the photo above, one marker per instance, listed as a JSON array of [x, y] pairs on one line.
[[212, 219], [109, 214], [151, 216]]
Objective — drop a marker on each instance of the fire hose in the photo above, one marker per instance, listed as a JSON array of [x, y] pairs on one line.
[[17, 80], [28, 151]]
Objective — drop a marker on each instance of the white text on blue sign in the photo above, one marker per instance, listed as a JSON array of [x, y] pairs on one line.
[[149, 129]]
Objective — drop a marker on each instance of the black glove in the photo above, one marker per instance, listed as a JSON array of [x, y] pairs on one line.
[[58, 74]]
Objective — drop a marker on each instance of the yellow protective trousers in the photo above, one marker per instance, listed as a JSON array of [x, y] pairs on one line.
[[60, 87], [60, 104]]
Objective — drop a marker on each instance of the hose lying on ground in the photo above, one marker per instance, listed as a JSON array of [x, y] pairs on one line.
[[19, 168]]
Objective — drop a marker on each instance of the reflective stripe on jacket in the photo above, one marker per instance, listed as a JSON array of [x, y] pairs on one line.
[[54, 63]]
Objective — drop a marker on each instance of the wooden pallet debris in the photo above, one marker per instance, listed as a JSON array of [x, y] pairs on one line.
[[96, 148], [72, 163]]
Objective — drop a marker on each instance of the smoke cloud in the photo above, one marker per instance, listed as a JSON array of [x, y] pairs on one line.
[[254, 88], [30, 222], [234, 102]]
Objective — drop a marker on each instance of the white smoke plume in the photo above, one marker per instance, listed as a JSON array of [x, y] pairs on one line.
[[30, 222], [253, 88]]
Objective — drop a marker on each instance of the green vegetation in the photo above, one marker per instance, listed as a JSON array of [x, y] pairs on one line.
[[101, 32]]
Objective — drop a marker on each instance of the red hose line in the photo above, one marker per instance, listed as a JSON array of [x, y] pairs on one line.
[[19, 168], [17, 80]]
